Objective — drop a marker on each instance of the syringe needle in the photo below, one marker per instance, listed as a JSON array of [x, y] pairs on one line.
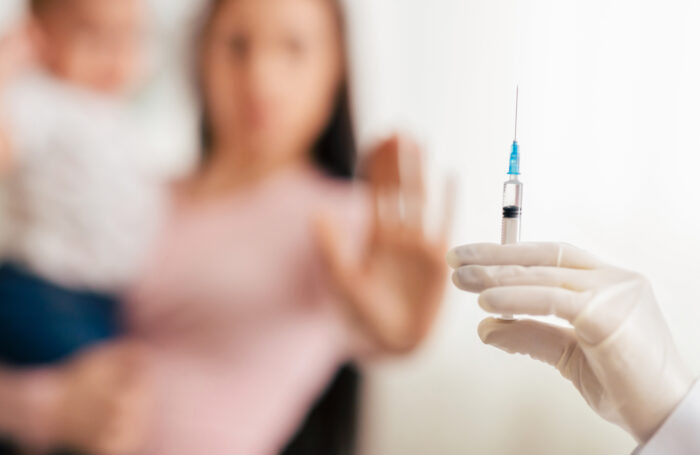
[[517, 97]]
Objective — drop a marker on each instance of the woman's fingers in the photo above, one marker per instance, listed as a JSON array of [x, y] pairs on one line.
[[384, 178], [412, 184], [127, 422], [533, 301], [477, 278], [382, 167], [387, 211], [395, 172], [523, 254], [544, 342]]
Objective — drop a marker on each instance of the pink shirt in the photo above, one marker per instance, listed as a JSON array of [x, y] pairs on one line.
[[245, 328]]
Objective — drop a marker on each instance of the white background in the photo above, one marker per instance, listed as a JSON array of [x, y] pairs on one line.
[[609, 134], [609, 127]]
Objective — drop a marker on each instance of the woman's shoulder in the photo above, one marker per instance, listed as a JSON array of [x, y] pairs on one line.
[[294, 195]]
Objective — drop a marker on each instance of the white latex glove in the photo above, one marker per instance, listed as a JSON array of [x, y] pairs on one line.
[[618, 353]]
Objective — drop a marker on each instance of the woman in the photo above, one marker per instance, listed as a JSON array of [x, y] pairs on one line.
[[274, 269], [271, 268]]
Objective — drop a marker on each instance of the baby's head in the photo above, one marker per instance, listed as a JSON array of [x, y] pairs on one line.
[[97, 44]]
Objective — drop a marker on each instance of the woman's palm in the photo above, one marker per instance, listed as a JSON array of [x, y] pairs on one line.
[[395, 288]]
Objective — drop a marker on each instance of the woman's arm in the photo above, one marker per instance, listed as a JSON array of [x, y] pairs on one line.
[[97, 403], [28, 405]]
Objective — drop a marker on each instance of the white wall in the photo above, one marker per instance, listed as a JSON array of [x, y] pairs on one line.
[[609, 126]]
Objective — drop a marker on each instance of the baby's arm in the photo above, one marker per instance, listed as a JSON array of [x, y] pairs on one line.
[[17, 53], [5, 151]]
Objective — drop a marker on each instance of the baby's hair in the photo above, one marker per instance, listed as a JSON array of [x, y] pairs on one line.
[[39, 7]]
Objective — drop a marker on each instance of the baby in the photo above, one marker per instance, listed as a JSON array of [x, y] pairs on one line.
[[82, 200]]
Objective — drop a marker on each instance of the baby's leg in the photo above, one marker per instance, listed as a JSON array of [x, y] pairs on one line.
[[43, 323]]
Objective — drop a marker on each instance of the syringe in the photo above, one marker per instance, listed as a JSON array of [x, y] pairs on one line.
[[512, 194]]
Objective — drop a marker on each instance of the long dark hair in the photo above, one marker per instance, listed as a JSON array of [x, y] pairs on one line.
[[330, 428], [335, 151]]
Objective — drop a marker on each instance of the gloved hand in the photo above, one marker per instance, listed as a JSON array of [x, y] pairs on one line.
[[618, 353]]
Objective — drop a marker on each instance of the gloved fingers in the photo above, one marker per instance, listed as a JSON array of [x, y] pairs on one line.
[[544, 342], [533, 301], [477, 278], [524, 254]]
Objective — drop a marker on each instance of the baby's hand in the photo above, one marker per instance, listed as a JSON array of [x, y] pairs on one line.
[[105, 401], [17, 53]]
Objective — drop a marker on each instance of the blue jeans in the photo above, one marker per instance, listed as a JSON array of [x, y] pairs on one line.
[[42, 323]]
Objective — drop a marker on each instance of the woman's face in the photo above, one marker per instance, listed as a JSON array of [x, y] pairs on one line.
[[271, 73]]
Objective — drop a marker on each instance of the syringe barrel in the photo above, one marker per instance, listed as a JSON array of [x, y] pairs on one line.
[[512, 210], [512, 215], [510, 232]]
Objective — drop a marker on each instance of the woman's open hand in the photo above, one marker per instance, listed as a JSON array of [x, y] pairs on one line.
[[395, 287]]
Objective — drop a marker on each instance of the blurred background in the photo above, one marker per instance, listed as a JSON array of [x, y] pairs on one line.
[[608, 128]]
